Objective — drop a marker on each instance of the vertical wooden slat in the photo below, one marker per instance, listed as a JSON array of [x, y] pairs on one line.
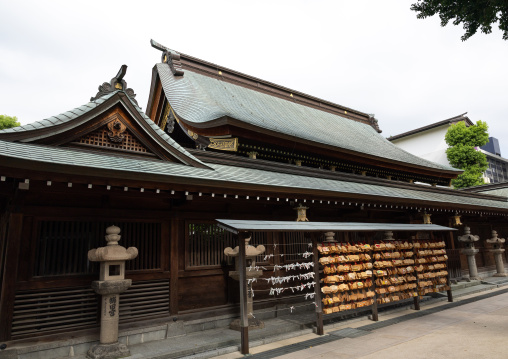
[[244, 320], [448, 283], [417, 298], [14, 237], [317, 287], [164, 246], [173, 239], [206, 243], [375, 315]]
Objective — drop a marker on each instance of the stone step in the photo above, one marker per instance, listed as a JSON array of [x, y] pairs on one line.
[[465, 284]]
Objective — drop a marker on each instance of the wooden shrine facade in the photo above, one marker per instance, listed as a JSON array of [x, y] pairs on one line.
[[64, 179]]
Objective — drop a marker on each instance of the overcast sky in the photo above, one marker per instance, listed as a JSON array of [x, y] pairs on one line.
[[372, 56]]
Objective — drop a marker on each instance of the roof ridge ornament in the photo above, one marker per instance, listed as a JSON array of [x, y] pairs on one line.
[[374, 123], [170, 57], [116, 83]]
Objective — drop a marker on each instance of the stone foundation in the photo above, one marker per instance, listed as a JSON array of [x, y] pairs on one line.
[[108, 351]]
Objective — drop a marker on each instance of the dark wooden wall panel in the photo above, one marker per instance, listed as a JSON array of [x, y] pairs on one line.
[[202, 292]]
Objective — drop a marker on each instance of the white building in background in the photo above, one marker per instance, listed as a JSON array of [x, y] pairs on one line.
[[429, 142]]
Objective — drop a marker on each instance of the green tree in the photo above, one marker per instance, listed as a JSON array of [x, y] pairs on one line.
[[473, 14], [463, 152], [8, 122]]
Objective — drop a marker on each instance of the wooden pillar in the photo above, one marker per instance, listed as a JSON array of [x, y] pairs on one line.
[[375, 315], [317, 287], [452, 240], [416, 300], [448, 283], [14, 239], [174, 238], [242, 273]]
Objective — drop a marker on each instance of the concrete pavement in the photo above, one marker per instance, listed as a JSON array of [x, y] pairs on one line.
[[476, 330]]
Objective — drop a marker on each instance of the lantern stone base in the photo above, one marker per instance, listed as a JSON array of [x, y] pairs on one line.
[[253, 324], [500, 275], [108, 351]]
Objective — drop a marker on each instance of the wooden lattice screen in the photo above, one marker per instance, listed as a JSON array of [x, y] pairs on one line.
[[294, 243], [100, 138], [43, 311], [62, 246], [207, 241]]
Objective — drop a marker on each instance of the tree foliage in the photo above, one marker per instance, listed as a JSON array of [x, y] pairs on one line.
[[8, 122], [463, 152], [473, 14]]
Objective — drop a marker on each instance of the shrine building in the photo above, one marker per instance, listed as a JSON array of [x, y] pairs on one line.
[[212, 143]]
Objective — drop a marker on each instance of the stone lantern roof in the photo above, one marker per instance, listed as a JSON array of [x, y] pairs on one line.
[[113, 251]]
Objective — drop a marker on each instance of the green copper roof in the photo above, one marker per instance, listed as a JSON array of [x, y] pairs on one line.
[[199, 99], [169, 172]]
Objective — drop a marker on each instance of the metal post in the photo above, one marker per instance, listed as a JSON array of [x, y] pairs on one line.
[[317, 287], [242, 271]]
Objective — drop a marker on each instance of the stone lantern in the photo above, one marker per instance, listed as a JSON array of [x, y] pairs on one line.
[[330, 237], [111, 283], [302, 213], [426, 218], [470, 251], [250, 257], [498, 253]]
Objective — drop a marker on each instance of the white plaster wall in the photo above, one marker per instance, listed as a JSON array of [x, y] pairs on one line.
[[429, 144]]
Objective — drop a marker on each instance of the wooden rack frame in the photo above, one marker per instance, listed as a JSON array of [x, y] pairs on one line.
[[243, 228]]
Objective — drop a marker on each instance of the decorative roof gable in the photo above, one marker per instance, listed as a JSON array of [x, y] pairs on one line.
[[111, 121]]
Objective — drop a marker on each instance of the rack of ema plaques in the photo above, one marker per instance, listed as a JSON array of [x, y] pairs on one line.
[[359, 275]]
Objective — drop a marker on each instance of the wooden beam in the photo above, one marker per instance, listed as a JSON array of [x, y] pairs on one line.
[[317, 287], [242, 271], [10, 274], [374, 311], [448, 283], [174, 264]]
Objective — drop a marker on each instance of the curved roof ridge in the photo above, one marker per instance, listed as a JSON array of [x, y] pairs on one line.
[[61, 118], [199, 99], [68, 116]]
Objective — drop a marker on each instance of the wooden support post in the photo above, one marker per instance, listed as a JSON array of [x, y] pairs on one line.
[[14, 239], [416, 300], [375, 315], [173, 239], [448, 283], [449, 291], [317, 287], [242, 271]]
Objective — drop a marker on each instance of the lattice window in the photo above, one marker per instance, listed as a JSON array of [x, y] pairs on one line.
[[206, 244], [207, 241], [62, 246], [294, 243], [100, 138]]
